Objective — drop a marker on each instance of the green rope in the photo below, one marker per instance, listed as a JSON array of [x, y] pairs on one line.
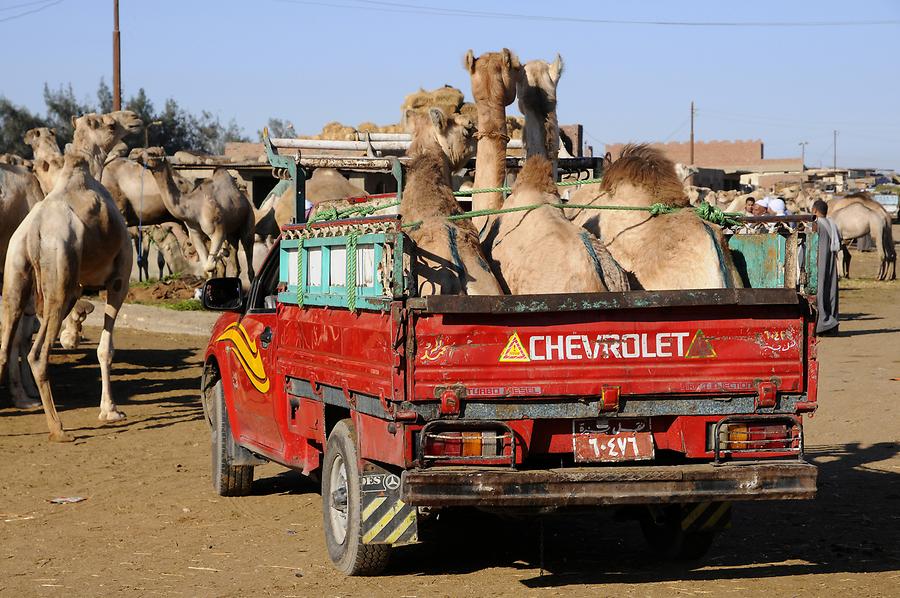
[[350, 281], [330, 213], [711, 213], [468, 192], [300, 276]]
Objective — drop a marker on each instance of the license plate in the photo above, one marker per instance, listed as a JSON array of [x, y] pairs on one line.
[[605, 440]]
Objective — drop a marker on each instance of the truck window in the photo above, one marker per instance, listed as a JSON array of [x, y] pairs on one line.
[[264, 292]]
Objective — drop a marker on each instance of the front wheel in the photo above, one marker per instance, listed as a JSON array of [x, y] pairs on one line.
[[341, 507], [228, 479]]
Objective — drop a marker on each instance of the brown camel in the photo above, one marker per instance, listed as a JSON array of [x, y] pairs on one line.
[[20, 191], [494, 78], [525, 241], [666, 252], [74, 238], [537, 101], [449, 256], [856, 220], [216, 209]]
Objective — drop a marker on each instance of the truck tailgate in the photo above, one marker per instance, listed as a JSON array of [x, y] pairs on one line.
[[713, 343]]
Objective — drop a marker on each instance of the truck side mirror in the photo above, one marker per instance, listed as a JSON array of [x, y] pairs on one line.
[[223, 294]]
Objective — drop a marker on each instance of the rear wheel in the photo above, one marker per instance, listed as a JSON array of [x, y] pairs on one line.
[[341, 507], [228, 479], [667, 538]]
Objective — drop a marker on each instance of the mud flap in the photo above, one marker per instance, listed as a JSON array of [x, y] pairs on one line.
[[706, 517], [384, 518]]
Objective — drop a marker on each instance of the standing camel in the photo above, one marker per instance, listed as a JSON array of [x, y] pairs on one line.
[[216, 209], [540, 250], [665, 252], [536, 91], [74, 238], [856, 220], [20, 191], [449, 256], [494, 77]]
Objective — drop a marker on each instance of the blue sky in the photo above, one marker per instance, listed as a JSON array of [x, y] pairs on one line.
[[352, 61]]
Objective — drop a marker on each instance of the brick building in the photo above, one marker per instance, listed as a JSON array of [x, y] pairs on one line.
[[741, 161]]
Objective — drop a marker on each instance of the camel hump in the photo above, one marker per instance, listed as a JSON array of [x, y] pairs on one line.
[[536, 175], [644, 166]]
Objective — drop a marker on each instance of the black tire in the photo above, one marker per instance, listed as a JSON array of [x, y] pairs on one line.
[[228, 479], [668, 541], [348, 553]]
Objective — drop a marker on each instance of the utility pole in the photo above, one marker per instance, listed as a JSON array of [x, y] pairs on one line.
[[834, 162], [692, 132], [802, 145], [117, 66]]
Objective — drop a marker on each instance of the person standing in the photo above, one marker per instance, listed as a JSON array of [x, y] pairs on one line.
[[827, 287]]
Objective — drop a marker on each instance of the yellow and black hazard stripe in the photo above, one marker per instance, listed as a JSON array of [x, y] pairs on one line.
[[387, 520], [706, 516]]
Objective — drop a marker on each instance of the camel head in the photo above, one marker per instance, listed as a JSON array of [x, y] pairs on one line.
[[104, 131], [494, 76], [151, 157], [536, 87], [454, 135], [42, 137]]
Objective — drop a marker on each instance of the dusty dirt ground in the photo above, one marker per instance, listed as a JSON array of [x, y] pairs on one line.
[[151, 524]]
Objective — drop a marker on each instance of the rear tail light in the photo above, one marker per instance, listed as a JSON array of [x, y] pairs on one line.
[[743, 436], [450, 443]]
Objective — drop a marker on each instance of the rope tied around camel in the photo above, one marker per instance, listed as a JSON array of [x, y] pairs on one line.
[[704, 210]]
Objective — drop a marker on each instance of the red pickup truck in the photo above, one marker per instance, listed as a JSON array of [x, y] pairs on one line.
[[668, 405]]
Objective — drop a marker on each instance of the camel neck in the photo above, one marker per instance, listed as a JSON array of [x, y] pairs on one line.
[[168, 190], [490, 171], [541, 134]]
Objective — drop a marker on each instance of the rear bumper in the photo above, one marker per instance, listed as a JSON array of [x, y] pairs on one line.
[[592, 486]]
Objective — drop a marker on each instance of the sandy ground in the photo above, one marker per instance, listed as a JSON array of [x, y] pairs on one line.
[[151, 524]]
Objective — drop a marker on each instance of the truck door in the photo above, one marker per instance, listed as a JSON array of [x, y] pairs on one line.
[[252, 351]]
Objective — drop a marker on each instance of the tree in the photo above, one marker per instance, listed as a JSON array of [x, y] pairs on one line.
[[14, 121], [174, 128], [62, 105], [279, 128], [104, 97]]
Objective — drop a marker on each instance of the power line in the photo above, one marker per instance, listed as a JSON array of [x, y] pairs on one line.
[[30, 12], [22, 5], [400, 7], [678, 130]]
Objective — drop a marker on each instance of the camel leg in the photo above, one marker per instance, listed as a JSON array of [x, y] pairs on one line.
[[59, 292], [247, 238], [116, 290], [199, 242], [843, 259], [22, 386], [15, 328], [216, 248]]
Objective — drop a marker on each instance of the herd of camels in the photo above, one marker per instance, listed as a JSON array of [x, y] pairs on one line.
[[65, 218]]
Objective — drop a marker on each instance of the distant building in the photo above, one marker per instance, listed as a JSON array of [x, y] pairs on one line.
[[728, 164]]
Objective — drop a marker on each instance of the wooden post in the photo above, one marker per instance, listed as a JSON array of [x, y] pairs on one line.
[[117, 65], [692, 132]]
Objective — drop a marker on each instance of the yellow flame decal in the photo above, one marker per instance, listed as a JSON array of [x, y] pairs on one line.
[[247, 355]]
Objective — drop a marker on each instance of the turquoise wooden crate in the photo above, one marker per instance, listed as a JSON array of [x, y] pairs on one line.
[[323, 271], [769, 260]]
